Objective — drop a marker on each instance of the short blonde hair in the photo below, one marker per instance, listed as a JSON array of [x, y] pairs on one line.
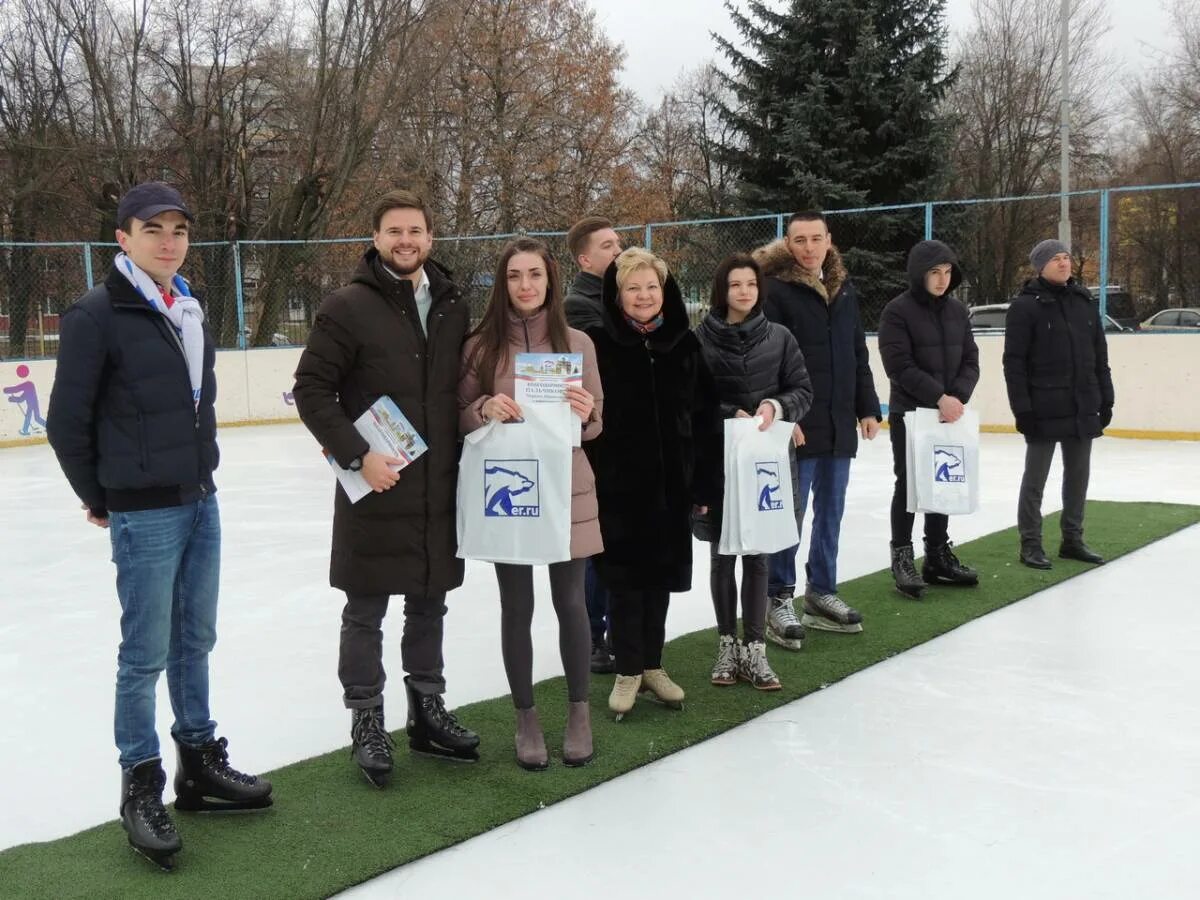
[[639, 258]]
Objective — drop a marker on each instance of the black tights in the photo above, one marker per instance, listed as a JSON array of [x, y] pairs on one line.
[[516, 620], [725, 594]]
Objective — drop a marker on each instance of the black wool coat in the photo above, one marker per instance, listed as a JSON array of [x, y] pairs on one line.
[[654, 459], [583, 303], [926, 342], [367, 342], [824, 318], [750, 362], [1056, 361], [122, 420]]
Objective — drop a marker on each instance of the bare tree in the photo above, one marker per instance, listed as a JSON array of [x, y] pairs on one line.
[[1005, 104]]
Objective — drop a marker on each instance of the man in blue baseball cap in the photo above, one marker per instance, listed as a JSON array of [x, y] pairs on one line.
[[136, 435]]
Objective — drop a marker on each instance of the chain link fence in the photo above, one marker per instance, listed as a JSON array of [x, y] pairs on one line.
[[1135, 247]]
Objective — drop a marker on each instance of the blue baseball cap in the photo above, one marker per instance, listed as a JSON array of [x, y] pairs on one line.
[[145, 201]]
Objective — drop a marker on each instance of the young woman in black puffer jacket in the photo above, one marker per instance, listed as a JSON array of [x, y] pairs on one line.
[[758, 369]]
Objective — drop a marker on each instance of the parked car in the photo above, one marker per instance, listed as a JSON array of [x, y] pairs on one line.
[[990, 319], [1186, 319]]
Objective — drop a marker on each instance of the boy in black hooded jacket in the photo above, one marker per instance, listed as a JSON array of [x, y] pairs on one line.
[[932, 361]]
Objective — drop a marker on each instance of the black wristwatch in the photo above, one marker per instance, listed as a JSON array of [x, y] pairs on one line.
[[356, 464]]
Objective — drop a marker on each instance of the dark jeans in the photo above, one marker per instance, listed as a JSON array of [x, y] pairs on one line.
[[826, 477], [360, 660], [725, 594], [1077, 460], [168, 568], [936, 524], [638, 629], [516, 620], [596, 595]]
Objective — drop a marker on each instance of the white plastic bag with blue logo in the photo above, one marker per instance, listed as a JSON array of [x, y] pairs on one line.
[[757, 514], [943, 463], [514, 489]]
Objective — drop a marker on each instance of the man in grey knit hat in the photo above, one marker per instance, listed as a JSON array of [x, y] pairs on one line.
[[1061, 392]]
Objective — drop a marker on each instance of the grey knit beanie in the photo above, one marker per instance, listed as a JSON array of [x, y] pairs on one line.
[[1044, 252]]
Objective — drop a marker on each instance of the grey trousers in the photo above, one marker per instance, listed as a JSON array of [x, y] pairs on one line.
[[723, 584], [1077, 457], [360, 659]]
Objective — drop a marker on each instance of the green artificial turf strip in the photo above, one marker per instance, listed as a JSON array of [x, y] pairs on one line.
[[329, 829]]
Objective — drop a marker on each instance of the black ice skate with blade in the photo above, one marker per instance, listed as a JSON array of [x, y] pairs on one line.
[[434, 731], [371, 746], [143, 816], [205, 782]]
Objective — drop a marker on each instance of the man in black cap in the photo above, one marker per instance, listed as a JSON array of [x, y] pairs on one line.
[[133, 425], [1061, 392]]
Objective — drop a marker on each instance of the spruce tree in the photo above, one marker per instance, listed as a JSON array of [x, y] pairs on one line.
[[838, 107]]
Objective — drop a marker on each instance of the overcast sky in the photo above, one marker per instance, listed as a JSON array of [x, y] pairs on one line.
[[663, 38]]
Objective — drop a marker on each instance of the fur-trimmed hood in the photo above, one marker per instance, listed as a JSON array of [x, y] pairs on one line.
[[777, 262]]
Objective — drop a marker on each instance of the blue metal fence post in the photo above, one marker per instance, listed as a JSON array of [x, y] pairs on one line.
[[929, 221], [1103, 254], [649, 235], [779, 226], [241, 306], [87, 266]]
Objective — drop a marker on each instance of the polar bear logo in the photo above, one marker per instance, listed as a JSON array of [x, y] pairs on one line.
[[948, 465], [502, 481], [767, 474]]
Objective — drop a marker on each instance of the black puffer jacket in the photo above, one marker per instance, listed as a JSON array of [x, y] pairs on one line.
[[122, 421], [367, 343], [750, 362], [925, 342], [654, 458], [1056, 362], [582, 303], [824, 318]]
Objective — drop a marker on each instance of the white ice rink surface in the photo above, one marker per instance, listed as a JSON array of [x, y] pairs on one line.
[[1051, 749]]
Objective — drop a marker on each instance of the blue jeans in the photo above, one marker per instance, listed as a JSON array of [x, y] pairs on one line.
[[168, 566], [596, 596], [826, 477]]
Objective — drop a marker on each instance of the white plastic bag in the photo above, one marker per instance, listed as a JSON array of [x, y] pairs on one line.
[[757, 515], [943, 463], [514, 489]]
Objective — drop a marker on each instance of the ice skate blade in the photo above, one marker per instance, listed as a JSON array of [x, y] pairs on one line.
[[164, 861], [579, 762], [910, 595], [435, 751], [216, 805], [949, 582], [787, 643], [810, 621], [378, 780], [676, 705], [723, 682]]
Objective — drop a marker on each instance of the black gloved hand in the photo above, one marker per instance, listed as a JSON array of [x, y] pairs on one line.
[[1026, 423], [1105, 416]]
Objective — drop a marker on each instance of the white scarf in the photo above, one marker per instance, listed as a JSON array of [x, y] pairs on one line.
[[184, 314]]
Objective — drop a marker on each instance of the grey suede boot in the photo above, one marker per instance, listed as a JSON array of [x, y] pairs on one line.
[[577, 740], [531, 743]]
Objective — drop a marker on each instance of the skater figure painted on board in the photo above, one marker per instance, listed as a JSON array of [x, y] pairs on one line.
[[25, 395], [133, 425]]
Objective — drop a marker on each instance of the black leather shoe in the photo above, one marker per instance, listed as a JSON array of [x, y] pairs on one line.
[[1080, 551], [1034, 557]]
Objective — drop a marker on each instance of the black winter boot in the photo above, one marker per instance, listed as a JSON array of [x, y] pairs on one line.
[[205, 782], [1034, 556], [143, 816], [904, 571], [433, 730], [602, 661], [371, 745], [941, 566], [1075, 548]]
